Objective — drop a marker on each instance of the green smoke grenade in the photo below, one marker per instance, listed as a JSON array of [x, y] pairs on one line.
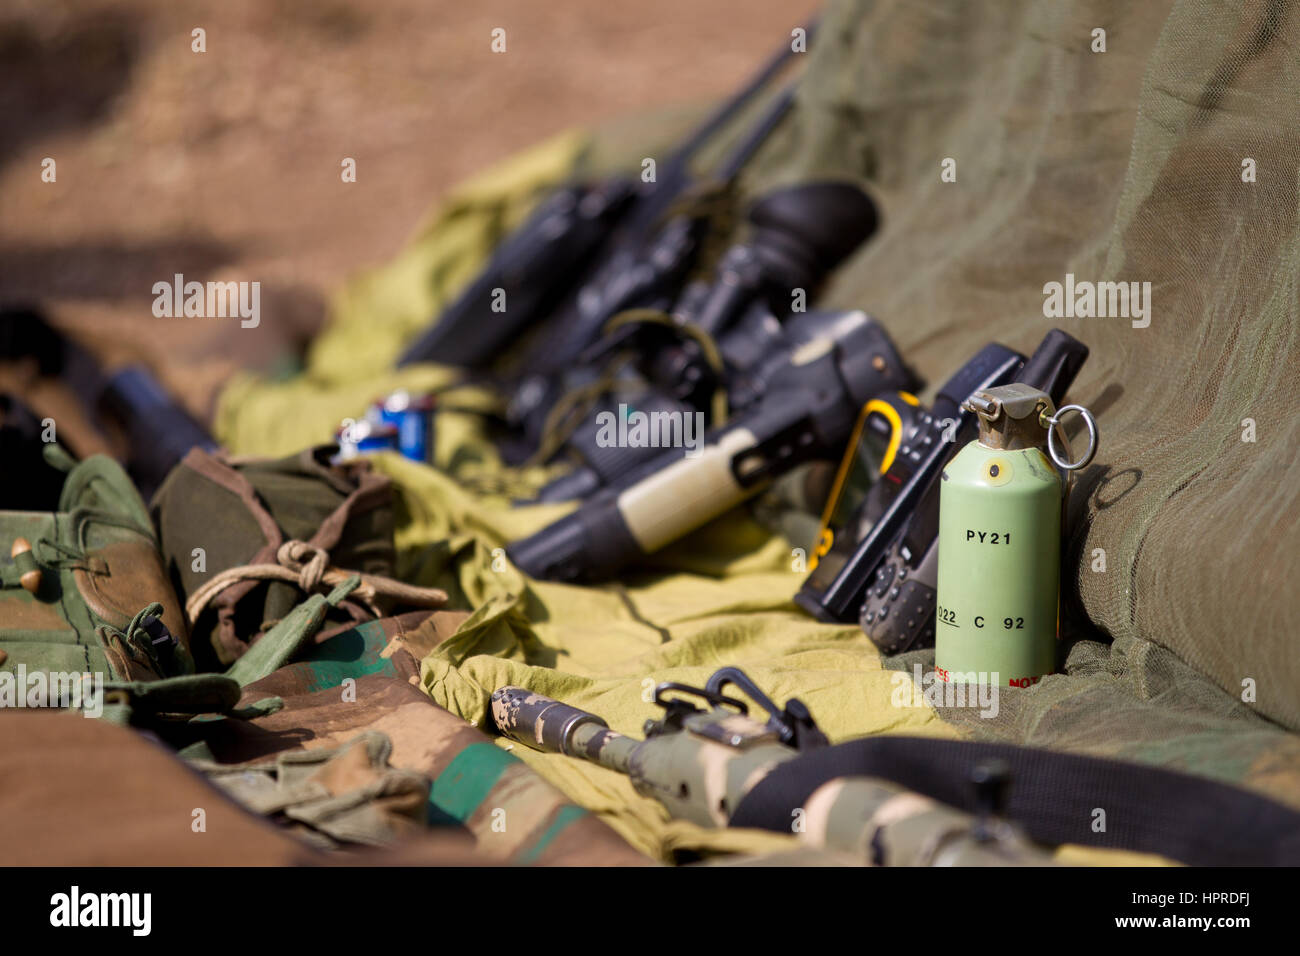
[[1000, 545]]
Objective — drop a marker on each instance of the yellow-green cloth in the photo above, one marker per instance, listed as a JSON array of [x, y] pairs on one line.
[[604, 648]]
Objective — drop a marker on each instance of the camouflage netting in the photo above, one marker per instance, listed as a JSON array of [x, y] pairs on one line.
[[1122, 165]]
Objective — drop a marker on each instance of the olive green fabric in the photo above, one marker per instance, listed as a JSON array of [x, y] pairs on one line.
[[343, 509], [281, 643], [1116, 165], [148, 703], [99, 572], [1123, 165]]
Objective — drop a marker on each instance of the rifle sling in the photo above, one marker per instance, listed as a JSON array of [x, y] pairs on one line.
[[1053, 797]]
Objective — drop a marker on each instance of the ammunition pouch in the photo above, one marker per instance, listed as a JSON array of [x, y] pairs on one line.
[[83, 590], [287, 528]]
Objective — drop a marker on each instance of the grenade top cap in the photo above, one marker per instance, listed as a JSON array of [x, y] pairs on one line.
[[1012, 416]]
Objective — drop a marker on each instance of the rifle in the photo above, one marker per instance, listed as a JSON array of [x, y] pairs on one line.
[[806, 412], [701, 763], [643, 266], [157, 432], [28, 482], [798, 235], [580, 230]]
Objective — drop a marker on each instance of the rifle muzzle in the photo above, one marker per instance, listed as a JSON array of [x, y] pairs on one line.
[[543, 723], [539, 722]]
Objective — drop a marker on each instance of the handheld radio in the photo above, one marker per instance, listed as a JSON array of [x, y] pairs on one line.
[[877, 555]]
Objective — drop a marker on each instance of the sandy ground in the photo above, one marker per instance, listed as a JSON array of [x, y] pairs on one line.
[[226, 164]]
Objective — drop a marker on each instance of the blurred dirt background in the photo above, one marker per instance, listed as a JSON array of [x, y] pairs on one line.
[[224, 165]]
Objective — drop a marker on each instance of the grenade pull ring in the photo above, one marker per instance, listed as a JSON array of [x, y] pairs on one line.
[[1053, 423]]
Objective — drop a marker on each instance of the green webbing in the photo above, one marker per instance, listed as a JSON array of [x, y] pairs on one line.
[[278, 645]]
